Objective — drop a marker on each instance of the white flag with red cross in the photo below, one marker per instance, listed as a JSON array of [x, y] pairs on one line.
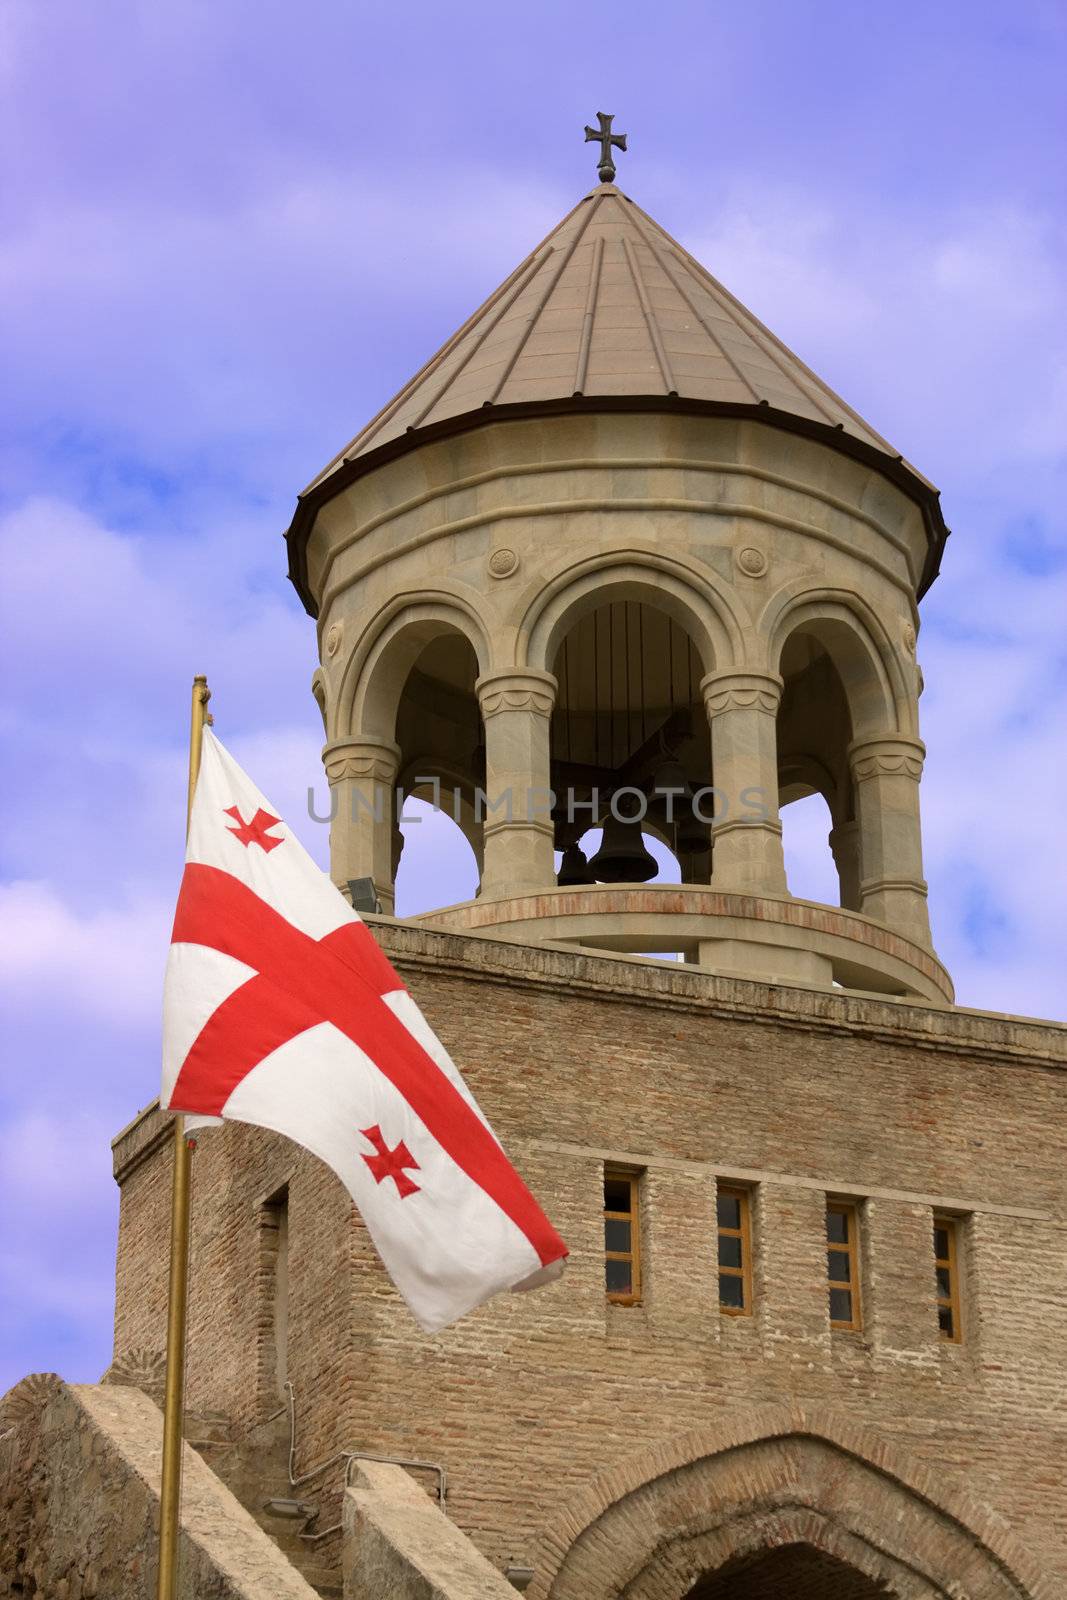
[[281, 1010]]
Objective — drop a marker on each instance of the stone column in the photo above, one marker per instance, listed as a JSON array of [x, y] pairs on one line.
[[886, 772], [516, 707], [844, 842], [742, 708], [362, 774]]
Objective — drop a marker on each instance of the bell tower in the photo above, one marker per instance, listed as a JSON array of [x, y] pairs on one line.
[[615, 578], [616, 558]]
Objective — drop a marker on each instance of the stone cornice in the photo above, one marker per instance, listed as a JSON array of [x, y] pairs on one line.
[[481, 958], [140, 1139], [895, 470]]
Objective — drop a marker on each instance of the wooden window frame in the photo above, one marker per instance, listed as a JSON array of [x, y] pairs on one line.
[[633, 1255], [849, 1209], [743, 1196], [951, 1263]]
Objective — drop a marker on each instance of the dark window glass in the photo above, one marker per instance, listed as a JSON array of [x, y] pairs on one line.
[[734, 1247], [838, 1266], [731, 1291], [619, 1277], [842, 1265], [840, 1305], [729, 1251], [622, 1258], [616, 1235], [837, 1227], [946, 1267]]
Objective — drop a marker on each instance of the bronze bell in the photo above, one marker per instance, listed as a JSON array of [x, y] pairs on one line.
[[574, 869], [670, 778], [691, 835], [622, 857]]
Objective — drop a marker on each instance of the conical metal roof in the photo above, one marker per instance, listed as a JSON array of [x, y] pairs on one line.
[[608, 311]]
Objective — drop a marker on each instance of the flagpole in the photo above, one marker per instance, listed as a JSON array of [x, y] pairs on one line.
[[174, 1398]]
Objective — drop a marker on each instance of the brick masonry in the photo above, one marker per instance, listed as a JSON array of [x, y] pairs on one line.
[[684, 1076]]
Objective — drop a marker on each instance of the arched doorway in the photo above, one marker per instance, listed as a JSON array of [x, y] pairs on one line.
[[789, 1572], [770, 1501]]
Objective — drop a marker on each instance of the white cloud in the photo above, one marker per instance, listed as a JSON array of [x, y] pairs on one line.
[[106, 966], [185, 326], [948, 331]]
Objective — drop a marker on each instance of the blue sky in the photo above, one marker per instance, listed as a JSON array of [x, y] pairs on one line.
[[229, 232]]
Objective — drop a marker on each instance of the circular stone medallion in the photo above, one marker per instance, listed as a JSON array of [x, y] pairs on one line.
[[502, 563], [752, 561]]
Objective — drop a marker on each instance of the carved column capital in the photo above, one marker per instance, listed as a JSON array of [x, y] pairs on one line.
[[516, 691], [741, 691], [886, 756], [367, 760]]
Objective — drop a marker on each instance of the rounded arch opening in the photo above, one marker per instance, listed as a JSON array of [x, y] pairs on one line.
[[437, 838], [800, 1570], [715, 1505], [630, 745], [815, 794], [852, 639], [704, 613], [378, 670], [807, 828], [835, 689], [437, 865]]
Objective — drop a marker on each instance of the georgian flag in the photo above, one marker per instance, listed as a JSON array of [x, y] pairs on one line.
[[281, 1010]]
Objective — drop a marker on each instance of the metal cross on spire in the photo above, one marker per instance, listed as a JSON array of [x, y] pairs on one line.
[[605, 138]]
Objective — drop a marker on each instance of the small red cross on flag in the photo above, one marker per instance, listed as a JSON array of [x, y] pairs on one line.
[[281, 1010], [390, 1163], [255, 832]]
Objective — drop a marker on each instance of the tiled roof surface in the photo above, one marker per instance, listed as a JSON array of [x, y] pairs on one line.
[[608, 305]]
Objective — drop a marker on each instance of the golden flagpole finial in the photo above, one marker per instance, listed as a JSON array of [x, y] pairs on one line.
[[170, 1492]]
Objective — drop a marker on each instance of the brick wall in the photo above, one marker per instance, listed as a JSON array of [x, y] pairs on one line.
[[577, 1059]]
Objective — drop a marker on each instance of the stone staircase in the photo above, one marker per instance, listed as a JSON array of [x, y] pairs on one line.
[[255, 1469]]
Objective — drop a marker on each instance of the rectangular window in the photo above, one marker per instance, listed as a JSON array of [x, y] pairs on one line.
[[622, 1238], [946, 1265], [733, 1217], [842, 1264], [274, 1242]]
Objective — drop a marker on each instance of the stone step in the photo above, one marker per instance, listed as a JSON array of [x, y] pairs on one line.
[[327, 1580]]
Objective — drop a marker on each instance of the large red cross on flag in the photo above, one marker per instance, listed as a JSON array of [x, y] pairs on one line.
[[281, 1010]]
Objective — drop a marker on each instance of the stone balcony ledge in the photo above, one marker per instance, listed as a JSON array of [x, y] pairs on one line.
[[747, 935]]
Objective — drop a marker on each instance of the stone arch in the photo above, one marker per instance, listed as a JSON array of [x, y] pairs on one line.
[[725, 1554], [458, 794], [688, 595], [857, 643], [659, 1523], [377, 670]]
